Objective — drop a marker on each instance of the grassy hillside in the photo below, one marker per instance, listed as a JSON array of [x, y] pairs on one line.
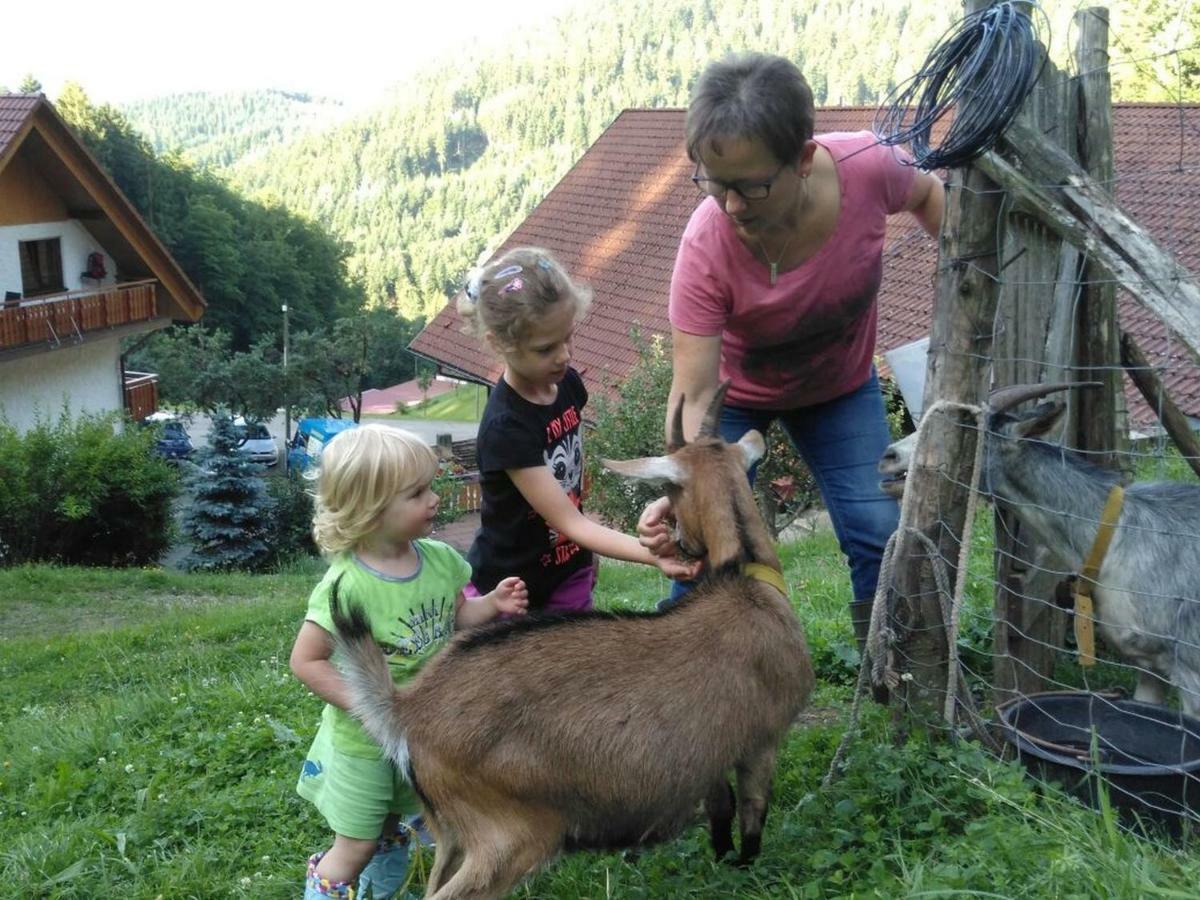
[[463, 404], [153, 734]]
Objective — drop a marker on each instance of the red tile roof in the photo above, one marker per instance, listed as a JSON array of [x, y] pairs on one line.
[[615, 220], [15, 110]]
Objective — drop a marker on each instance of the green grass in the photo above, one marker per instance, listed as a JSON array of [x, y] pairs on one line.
[[463, 404], [153, 733]]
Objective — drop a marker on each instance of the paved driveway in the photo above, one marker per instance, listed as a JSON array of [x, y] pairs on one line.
[[428, 429]]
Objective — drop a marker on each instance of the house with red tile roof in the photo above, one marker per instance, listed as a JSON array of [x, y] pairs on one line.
[[79, 270], [615, 219]]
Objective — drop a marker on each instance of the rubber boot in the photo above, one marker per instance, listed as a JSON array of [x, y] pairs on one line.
[[860, 618], [318, 888]]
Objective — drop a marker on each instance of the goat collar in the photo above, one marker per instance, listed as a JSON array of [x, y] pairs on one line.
[[1085, 638], [766, 574]]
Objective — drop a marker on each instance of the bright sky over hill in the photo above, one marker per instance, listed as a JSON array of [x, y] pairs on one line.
[[124, 50]]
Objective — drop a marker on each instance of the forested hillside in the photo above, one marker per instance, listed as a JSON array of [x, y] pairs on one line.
[[422, 187], [220, 129], [247, 257]]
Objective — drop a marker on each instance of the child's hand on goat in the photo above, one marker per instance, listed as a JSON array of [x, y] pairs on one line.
[[654, 529], [679, 569]]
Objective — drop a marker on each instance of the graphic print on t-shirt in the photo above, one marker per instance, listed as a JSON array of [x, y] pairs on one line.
[[564, 458], [429, 624]]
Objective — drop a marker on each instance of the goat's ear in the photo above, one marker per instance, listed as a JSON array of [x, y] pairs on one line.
[[753, 447], [1041, 420], [648, 468]]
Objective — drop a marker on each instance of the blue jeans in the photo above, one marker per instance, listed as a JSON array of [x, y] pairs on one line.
[[841, 441]]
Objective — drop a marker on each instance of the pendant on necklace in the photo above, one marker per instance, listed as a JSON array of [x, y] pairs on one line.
[[774, 273]]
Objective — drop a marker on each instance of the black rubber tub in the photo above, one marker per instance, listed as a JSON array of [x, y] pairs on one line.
[[1147, 754]]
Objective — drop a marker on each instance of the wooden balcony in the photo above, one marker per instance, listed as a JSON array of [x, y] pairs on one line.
[[66, 318]]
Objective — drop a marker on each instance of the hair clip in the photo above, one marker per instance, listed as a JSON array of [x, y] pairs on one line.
[[513, 286], [544, 264], [506, 271], [472, 288]]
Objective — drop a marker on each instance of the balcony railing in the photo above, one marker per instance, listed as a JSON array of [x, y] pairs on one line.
[[141, 394], [65, 318]]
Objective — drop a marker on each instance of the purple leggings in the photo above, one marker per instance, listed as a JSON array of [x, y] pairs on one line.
[[573, 595]]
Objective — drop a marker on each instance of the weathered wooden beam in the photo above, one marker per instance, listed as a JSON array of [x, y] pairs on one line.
[[1173, 420], [1096, 424], [1052, 187], [1037, 322]]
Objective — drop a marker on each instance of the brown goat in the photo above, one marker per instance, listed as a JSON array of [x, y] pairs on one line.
[[603, 730]]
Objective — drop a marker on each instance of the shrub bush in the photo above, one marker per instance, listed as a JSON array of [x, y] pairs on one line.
[[632, 425], [629, 426], [83, 491], [289, 532], [449, 482]]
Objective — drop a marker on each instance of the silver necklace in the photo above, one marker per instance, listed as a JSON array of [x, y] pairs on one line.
[[774, 263]]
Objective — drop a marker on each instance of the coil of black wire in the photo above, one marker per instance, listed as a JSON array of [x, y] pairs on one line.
[[980, 72]]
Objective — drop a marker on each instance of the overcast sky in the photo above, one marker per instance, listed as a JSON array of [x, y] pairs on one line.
[[129, 49]]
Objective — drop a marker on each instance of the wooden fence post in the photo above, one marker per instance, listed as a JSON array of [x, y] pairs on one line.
[[1100, 425], [959, 355]]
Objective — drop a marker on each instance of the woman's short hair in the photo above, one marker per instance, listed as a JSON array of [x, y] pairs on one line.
[[507, 295], [751, 95], [361, 471]]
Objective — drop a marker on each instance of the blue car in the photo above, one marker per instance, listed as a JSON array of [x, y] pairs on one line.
[[173, 442], [310, 438]]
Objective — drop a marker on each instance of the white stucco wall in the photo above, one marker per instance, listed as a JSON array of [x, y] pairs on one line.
[[76, 243], [87, 377]]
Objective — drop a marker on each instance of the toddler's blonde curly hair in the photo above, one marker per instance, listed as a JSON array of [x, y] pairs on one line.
[[362, 470]]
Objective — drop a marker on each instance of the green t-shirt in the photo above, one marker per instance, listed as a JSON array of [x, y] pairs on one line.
[[411, 619]]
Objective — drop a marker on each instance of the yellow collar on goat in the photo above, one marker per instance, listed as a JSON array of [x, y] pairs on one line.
[[1085, 638], [765, 574]]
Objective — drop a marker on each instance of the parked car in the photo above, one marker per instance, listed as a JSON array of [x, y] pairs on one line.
[[305, 446], [173, 441], [256, 442]]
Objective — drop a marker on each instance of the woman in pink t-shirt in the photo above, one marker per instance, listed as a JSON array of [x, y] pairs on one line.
[[775, 284]]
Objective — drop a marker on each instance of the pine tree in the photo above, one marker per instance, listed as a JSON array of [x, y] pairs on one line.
[[229, 515]]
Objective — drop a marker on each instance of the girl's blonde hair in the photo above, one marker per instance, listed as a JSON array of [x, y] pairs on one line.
[[362, 470], [508, 294]]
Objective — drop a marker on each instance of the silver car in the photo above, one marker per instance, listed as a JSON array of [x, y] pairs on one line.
[[256, 442]]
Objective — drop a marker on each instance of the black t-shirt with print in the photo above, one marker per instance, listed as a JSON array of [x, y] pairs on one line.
[[513, 539]]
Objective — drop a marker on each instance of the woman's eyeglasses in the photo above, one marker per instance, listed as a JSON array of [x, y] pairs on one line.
[[747, 190]]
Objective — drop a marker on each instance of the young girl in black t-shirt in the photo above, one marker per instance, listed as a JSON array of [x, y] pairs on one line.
[[525, 307]]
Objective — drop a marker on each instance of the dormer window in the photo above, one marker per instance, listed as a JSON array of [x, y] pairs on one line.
[[41, 267]]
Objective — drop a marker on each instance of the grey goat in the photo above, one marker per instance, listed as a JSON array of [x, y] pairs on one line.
[[1146, 604]]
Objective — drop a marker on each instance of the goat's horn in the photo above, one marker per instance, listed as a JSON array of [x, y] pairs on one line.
[[676, 440], [708, 427], [1006, 398]]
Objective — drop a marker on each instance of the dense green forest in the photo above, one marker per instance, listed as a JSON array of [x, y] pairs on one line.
[[247, 257], [421, 187], [220, 129], [416, 189]]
